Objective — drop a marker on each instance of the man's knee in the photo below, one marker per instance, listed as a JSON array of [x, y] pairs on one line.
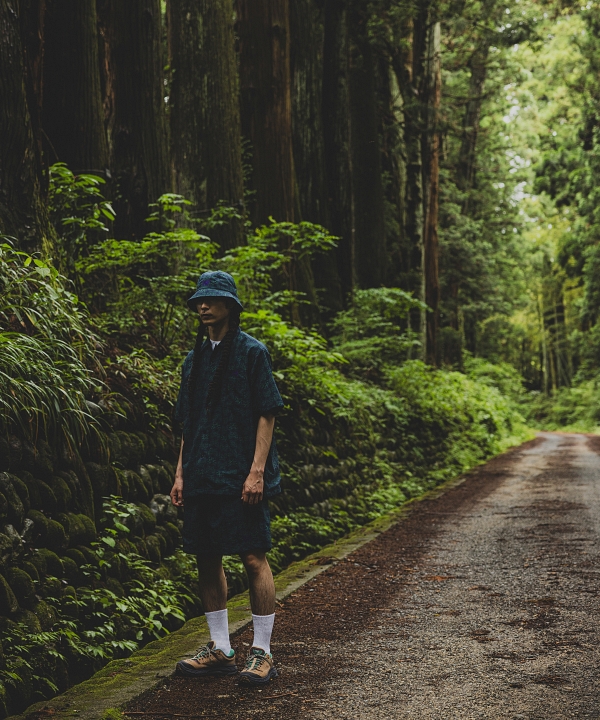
[[255, 563], [209, 565]]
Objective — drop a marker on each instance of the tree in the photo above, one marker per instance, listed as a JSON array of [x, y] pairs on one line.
[[134, 97], [23, 213], [73, 116], [204, 108]]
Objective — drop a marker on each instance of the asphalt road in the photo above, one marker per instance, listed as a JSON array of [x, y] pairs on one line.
[[482, 604]]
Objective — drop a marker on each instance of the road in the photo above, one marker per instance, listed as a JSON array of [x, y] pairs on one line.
[[483, 603]]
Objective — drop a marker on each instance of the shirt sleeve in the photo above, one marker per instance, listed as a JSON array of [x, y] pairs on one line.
[[266, 399], [181, 406]]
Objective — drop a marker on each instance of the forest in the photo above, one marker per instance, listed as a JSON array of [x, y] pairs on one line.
[[405, 195]]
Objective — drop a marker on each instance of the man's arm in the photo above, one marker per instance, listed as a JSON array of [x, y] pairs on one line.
[[252, 492], [177, 489]]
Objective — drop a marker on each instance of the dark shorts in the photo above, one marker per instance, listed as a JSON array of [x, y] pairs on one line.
[[225, 525]]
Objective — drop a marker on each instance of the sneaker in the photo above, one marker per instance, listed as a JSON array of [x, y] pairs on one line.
[[259, 668], [208, 661]]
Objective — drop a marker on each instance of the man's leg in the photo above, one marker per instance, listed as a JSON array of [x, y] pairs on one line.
[[213, 593], [262, 597]]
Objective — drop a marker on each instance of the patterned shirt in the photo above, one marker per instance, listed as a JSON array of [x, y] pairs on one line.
[[218, 450]]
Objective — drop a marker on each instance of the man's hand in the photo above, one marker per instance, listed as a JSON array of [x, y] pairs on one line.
[[177, 491], [252, 492]]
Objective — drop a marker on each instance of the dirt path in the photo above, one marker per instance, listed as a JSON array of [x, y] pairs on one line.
[[483, 604]]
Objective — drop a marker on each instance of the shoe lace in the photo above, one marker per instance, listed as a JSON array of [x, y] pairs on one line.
[[204, 652], [254, 661]]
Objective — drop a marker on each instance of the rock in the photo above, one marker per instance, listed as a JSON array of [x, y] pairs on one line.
[[8, 600], [168, 543], [4, 454], [22, 586], [40, 526], [4, 712], [148, 519], [47, 497], [30, 620], [21, 490], [44, 459], [16, 511], [77, 503], [31, 570], [15, 538], [56, 538], [28, 531], [77, 556], [153, 548], [6, 549], [69, 604], [174, 533], [39, 562], [71, 569], [104, 481], [62, 493], [163, 509], [20, 693], [141, 549], [53, 563], [147, 480], [3, 506], [137, 488], [45, 614], [115, 587]]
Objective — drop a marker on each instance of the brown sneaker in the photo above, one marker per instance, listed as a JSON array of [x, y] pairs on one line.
[[208, 661], [259, 668]]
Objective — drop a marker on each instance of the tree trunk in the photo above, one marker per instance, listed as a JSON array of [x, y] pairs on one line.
[[204, 109], [336, 135], [431, 172], [23, 212], [366, 157], [307, 38], [73, 116], [264, 45], [135, 106]]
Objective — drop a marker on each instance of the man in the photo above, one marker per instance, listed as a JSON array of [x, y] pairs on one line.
[[227, 469]]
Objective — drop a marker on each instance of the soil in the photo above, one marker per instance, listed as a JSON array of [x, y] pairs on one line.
[[483, 603]]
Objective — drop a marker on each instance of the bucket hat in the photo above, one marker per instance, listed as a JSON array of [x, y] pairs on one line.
[[214, 284]]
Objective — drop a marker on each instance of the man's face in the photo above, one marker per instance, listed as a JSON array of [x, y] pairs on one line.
[[212, 310]]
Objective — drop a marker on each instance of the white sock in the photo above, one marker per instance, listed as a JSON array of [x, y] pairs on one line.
[[218, 626], [263, 627]]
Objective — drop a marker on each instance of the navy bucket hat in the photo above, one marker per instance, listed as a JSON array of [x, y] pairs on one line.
[[214, 284]]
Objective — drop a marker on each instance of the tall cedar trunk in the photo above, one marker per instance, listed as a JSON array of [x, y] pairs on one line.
[[266, 108], [336, 136], [369, 208], [307, 34], [136, 110], [73, 116], [204, 109], [471, 120], [23, 212], [431, 172], [266, 104]]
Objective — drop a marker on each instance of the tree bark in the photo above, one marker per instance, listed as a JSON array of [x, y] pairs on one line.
[[336, 136], [264, 53], [431, 172], [134, 102], [369, 205], [204, 109], [73, 116], [23, 212], [307, 39]]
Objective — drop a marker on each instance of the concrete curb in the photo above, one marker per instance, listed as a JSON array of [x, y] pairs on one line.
[[121, 681]]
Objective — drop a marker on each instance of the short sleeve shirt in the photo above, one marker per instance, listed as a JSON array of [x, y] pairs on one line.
[[218, 450]]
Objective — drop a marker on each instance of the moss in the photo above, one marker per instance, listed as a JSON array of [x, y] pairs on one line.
[[44, 459], [56, 539], [160, 479], [4, 454], [76, 555], [30, 620], [89, 528], [39, 562], [31, 570], [8, 600], [80, 529], [174, 534], [40, 526], [114, 448], [71, 569], [62, 493], [137, 489], [6, 549], [124, 483], [115, 586], [15, 511], [140, 548], [51, 587], [104, 481], [112, 714], [89, 555], [149, 484], [3, 505], [3, 702], [45, 614], [148, 519], [153, 548], [69, 604], [53, 563], [47, 497], [136, 450], [22, 586], [22, 491], [165, 541]]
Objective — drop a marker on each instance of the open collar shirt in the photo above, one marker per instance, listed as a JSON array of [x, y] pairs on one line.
[[218, 450]]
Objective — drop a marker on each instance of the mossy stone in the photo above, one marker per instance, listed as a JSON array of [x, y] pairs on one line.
[[8, 600], [47, 497], [166, 543], [22, 586], [76, 556], [141, 549], [4, 454], [153, 548], [3, 506], [62, 492], [3, 700], [51, 588], [69, 604], [56, 539], [30, 620], [39, 562], [115, 586], [123, 483], [90, 556], [147, 479], [44, 460], [136, 450], [31, 570], [15, 511], [40, 526], [35, 500], [70, 567], [6, 549], [45, 614], [20, 692], [147, 518], [104, 481], [137, 488], [53, 563], [174, 534], [114, 448], [89, 529], [22, 491]]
